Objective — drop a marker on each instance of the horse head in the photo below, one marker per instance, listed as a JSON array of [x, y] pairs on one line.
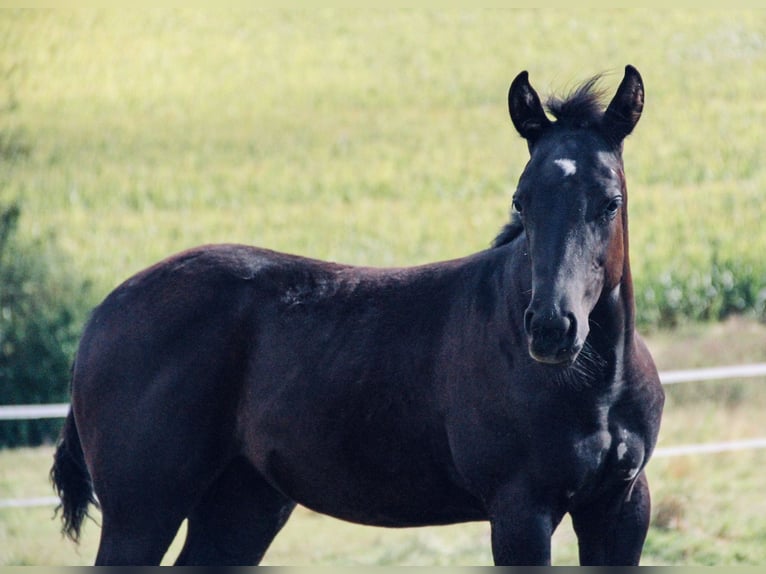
[[571, 201]]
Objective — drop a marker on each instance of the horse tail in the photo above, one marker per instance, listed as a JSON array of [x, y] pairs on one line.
[[71, 480]]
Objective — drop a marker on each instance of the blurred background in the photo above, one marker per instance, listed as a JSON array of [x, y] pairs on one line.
[[379, 137]]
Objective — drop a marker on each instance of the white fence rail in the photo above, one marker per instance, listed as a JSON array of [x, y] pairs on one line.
[[713, 374], [59, 410], [710, 447], [51, 501], [26, 412]]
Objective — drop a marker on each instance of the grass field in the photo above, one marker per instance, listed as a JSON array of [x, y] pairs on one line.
[[707, 509], [382, 138]]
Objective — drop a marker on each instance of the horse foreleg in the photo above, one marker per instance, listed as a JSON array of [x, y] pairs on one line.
[[521, 530], [612, 531]]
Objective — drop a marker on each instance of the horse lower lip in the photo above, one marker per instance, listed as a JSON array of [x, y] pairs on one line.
[[557, 360], [562, 358]]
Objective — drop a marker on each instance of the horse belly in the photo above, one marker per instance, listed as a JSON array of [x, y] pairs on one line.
[[356, 490], [379, 468]]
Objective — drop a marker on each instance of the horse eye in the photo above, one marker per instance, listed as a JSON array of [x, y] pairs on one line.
[[516, 206], [612, 207]]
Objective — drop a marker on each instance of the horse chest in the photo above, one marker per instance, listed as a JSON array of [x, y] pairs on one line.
[[611, 455]]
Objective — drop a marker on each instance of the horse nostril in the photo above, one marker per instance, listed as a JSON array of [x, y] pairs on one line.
[[559, 330], [528, 315], [567, 325], [572, 330]]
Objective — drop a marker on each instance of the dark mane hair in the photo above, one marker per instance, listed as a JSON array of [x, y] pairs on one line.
[[509, 232], [583, 107]]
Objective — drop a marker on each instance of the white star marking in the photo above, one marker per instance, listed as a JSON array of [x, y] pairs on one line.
[[568, 166]]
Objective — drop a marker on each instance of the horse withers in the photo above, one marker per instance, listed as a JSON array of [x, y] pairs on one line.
[[228, 383]]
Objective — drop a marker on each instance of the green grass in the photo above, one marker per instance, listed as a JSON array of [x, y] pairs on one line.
[[707, 509], [377, 137]]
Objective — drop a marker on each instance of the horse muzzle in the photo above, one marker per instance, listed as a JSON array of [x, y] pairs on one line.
[[552, 337]]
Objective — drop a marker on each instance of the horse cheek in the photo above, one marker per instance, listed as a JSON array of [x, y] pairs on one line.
[[614, 261]]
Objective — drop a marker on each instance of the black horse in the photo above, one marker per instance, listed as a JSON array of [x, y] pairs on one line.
[[228, 383]]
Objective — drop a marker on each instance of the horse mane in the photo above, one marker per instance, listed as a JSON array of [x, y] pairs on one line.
[[583, 107], [509, 232]]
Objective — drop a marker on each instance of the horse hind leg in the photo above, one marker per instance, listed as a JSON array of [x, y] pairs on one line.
[[136, 535], [236, 519], [143, 510]]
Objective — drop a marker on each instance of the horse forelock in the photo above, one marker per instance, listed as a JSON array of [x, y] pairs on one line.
[[583, 107]]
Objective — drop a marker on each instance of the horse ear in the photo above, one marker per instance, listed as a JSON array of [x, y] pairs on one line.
[[526, 111], [624, 110]]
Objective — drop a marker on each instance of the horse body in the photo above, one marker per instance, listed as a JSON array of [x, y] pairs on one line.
[[228, 383], [336, 401]]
